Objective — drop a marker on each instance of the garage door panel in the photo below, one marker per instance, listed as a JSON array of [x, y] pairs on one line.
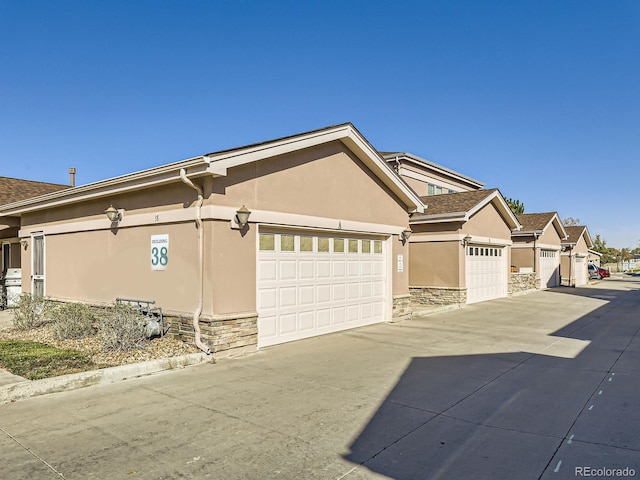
[[322, 285], [324, 268], [288, 297], [287, 323], [324, 317], [323, 293], [353, 268], [268, 298], [339, 268], [268, 270], [306, 269], [306, 320], [339, 315], [307, 296], [287, 270]]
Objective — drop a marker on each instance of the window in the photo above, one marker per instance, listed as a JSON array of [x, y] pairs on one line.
[[338, 245], [267, 241], [366, 246], [353, 246], [323, 244], [287, 243], [306, 244], [452, 191], [431, 189], [377, 246]]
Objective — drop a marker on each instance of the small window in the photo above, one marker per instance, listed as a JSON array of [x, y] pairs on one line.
[[338, 245], [500, 252], [306, 244], [323, 244], [439, 190], [452, 191], [267, 242], [431, 189], [287, 243], [366, 246], [482, 252], [353, 246], [377, 246]]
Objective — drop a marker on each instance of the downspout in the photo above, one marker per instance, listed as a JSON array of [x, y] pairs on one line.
[[198, 209], [536, 260]]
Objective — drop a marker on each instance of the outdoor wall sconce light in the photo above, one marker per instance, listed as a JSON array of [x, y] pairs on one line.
[[406, 233], [242, 216], [466, 240], [24, 243], [113, 214]]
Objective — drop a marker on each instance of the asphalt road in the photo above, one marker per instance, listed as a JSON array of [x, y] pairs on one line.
[[530, 387]]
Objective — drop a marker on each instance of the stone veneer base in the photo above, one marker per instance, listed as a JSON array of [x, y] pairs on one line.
[[227, 335], [438, 296], [401, 308], [521, 283]]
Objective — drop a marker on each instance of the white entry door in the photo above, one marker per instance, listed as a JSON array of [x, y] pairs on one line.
[[314, 284], [486, 273], [549, 269]]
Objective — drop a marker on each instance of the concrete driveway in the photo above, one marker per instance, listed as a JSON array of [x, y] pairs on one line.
[[528, 387]]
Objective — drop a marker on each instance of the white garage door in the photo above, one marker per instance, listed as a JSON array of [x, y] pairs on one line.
[[549, 268], [486, 273], [581, 271], [310, 285]]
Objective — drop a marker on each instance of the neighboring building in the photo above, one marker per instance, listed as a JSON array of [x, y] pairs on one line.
[[322, 250], [536, 247], [631, 264], [13, 190], [594, 257], [574, 256], [459, 251], [427, 178]]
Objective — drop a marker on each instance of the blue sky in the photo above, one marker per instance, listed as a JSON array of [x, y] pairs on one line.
[[538, 98]]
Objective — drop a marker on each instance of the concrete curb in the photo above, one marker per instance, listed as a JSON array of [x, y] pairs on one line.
[[34, 388]]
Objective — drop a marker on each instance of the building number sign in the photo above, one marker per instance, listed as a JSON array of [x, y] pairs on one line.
[[159, 252]]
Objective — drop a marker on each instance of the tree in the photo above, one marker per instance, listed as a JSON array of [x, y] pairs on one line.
[[625, 254], [516, 207], [609, 255], [571, 222]]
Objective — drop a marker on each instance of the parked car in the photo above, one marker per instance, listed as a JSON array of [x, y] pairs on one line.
[[594, 272], [598, 272]]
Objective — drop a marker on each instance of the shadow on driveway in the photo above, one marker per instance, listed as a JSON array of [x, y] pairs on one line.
[[516, 415]]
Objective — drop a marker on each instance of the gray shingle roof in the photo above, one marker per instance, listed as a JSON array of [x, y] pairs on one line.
[[14, 189]]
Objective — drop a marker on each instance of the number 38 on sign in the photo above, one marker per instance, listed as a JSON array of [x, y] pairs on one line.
[[159, 252]]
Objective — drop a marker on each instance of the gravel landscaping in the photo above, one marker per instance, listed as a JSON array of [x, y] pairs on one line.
[[155, 348]]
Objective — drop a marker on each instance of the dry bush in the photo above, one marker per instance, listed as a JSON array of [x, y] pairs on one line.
[[31, 312], [123, 328], [72, 321]]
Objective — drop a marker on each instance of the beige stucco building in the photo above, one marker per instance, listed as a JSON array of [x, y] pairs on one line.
[[460, 249], [322, 249], [574, 256], [536, 248]]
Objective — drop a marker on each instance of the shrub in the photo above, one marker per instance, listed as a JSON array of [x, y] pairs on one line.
[[31, 312], [123, 328], [72, 321]]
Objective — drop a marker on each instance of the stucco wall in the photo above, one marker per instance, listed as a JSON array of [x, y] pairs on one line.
[[435, 264], [99, 266], [488, 222], [523, 257]]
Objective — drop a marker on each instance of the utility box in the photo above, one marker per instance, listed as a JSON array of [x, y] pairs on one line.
[[12, 286]]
